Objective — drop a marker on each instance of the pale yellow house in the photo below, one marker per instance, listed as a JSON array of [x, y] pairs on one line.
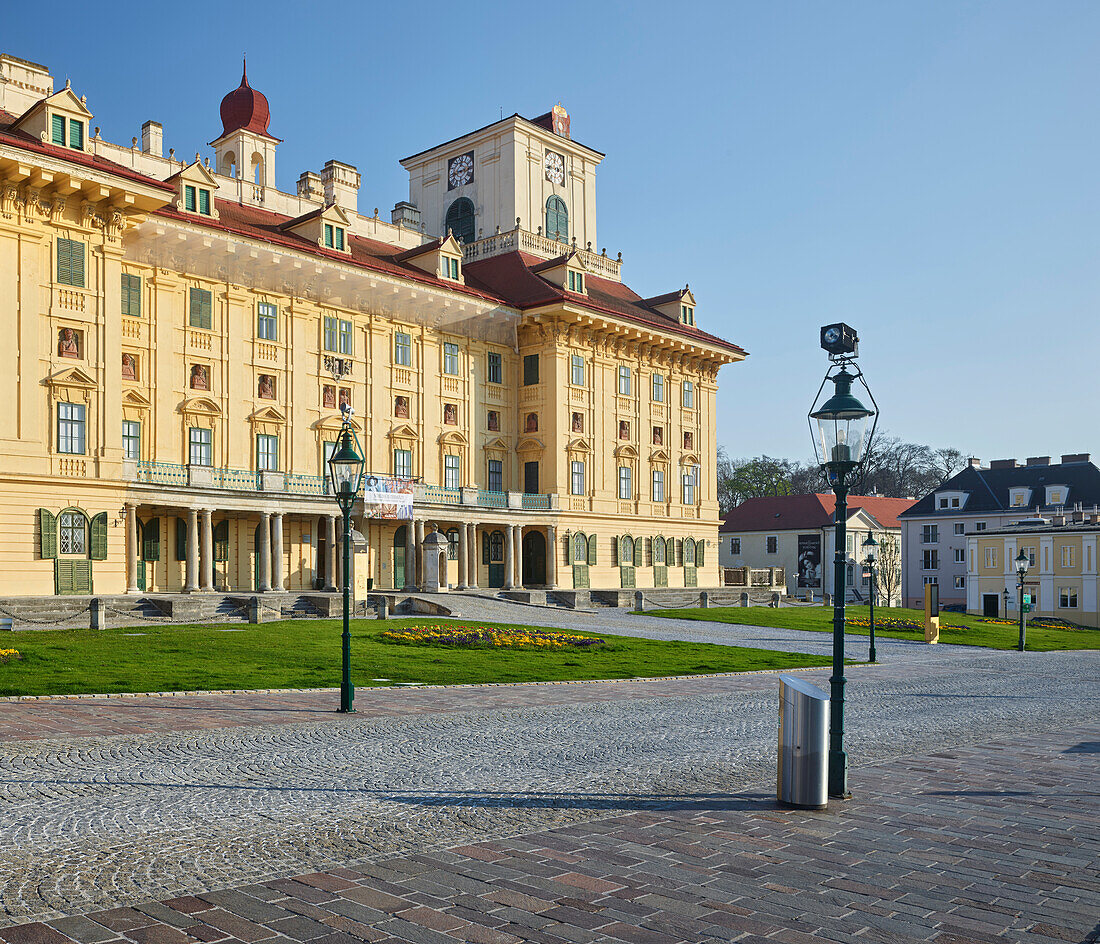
[[178, 337], [1061, 579]]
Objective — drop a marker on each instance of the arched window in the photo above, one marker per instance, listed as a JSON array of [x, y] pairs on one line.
[[689, 552], [557, 219], [626, 551], [658, 550], [460, 220], [580, 548], [73, 533]]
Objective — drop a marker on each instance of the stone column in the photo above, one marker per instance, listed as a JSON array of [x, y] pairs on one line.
[[463, 553], [132, 552], [472, 555], [518, 555], [265, 551], [330, 553], [509, 557], [410, 555], [191, 583], [552, 552], [277, 551], [419, 554], [207, 548]]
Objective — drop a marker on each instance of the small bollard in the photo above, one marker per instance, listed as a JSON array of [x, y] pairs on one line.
[[826, 599], [639, 601], [704, 600], [744, 599], [383, 608], [254, 615], [775, 600], [97, 613]]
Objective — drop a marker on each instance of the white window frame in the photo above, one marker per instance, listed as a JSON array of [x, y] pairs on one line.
[[626, 483], [200, 446], [688, 393], [72, 428], [450, 358], [960, 555], [658, 485], [960, 528], [452, 471], [577, 371], [267, 325], [960, 583], [624, 381], [1069, 555], [990, 558], [267, 452], [402, 463], [576, 478], [402, 349], [1068, 598], [658, 393], [131, 439]]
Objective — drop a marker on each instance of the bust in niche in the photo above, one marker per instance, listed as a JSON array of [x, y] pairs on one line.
[[494, 421], [578, 422], [450, 414], [401, 407], [68, 343], [532, 423], [689, 440], [129, 366], [266, 387], [328, 396], [200, 378], [658, 436], [624, 429], [345, 397]]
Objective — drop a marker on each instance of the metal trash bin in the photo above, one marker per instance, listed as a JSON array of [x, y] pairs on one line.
[[802, 777]]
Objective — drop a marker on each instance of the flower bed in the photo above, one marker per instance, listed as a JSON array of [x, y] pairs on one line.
[[897, 623], [1039, 622], [488, 637], [10, 655]]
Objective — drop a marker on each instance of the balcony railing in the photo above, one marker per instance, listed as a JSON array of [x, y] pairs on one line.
[[162, 473], [768, 577], [239, 480], [438, 495], [544, 248], [490, 499]]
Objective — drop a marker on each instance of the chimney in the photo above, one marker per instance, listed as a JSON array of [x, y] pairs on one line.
[[341, 185], [1076, 457], [310, 187], [1003, 464], [152, 139], [975, 462], [1059, 521], [1038, 460], [405, 214]]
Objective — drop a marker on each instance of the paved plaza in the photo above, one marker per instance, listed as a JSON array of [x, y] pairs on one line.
[[620, 811]]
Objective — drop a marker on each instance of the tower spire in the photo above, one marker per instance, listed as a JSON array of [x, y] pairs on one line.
[[244, 69]]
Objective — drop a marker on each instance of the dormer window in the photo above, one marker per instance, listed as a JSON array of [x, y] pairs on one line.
[[450, 268], [334, 237], [687, 314], [59, 124], [196, 200], [576, 282]]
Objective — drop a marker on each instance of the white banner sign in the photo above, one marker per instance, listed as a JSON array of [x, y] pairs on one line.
[[387, 498]]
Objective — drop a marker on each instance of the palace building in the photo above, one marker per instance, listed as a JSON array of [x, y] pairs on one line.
[[178, 336]]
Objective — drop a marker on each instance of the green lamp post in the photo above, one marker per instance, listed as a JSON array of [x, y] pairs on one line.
[[1022, 563], [841, 443], [345, 469], [869, 546]]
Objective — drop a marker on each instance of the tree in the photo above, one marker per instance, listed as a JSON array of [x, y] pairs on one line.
[[740, 479], [888, 567]]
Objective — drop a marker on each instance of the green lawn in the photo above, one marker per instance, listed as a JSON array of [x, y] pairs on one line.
[[306, 654], [954, 627]]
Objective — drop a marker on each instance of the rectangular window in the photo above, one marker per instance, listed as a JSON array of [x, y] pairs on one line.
[[347, 338], [960, 583], [658, 388], [931, 580], [689, 395], [402, 463], [200, 446], [689, 488], [960, 528], [131, 295], [402, 349], [189, 201], [979, 526], [1068, 555], [265, 321], [494, 368], [658, 485], [624, 381], [530, 369], [1067, 598], [954, 503], [450, 358], [576, 282], [990, 557], [450, 269], [626, 483], [131, 439], [576, 479], [930, 534], [960, 555], [328, 236], [1030, 552], [451, 472], [943, 502], [200, 314], [267, 453], [332, 333], [57, 128], [577, 378], [931, 560], [70, 428], [338, 241], [735, 545], [70, 262], [204, 201], [496, 475], [76, 134], [772, 545]]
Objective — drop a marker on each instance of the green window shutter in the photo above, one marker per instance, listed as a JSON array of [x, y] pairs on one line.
[[63, 576], [64, 262], [616, 551], [204, 201], [47, 534], [207, 309], [150, 544], [181, 539], [592, 549], [189, 198], [131, 295], [76, 259], [82, 576], [670, 552], [76, 134], [638, 552], [221, 541], [98, 549], [58, 130], [484, 548]]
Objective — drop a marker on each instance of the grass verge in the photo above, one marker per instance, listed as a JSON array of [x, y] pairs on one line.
[[957, 628], [306, 654]]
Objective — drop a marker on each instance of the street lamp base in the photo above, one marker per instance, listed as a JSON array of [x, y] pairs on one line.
[[345, 711], [838, 775]]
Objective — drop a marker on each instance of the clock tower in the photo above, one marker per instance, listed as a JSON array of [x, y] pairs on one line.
[[526, 168]]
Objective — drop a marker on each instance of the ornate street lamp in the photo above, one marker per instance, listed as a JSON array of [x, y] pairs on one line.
[[869, 546], [841, 443], [1022, 562], [345, 469]]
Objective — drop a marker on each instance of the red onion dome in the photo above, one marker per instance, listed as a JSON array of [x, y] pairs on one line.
[[245, 108]]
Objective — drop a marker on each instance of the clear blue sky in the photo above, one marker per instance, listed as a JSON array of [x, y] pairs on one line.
[[926, 171]]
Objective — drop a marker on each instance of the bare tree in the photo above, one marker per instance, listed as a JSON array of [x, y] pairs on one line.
[[888, 567]]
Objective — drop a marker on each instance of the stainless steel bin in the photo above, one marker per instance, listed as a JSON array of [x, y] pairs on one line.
[[802, 778]]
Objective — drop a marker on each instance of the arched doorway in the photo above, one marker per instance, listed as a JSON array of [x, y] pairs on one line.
[[399, 558], [534, 559]]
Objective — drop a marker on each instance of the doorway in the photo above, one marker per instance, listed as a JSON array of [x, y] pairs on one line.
[[399, 558], [534, 559], [531, 478], [492, 553], [991, 603], [320, 555]]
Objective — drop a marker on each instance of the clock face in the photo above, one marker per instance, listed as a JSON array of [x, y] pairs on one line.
[[832, 336], [555, 168], [460, 170]]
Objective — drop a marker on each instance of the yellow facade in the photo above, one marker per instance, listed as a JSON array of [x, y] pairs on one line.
[[188, 430]]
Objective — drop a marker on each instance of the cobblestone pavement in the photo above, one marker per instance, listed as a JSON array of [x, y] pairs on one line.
[[992, 842], [99, 821]]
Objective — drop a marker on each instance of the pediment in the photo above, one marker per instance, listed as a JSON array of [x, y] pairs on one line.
[[404, 431], [72, 377], [658, 455], [530, 444], [689, 459], [65, 101], [268, 414], [136, 399], [195, 173], [452, 438], [334, 422], [202, 406], [579, 445], [498, 444], [626, 452]]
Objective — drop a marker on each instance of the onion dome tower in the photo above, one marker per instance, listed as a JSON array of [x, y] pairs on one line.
[[245, 149]]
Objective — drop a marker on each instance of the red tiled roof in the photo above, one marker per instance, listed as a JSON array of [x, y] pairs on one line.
[[811, 512]]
